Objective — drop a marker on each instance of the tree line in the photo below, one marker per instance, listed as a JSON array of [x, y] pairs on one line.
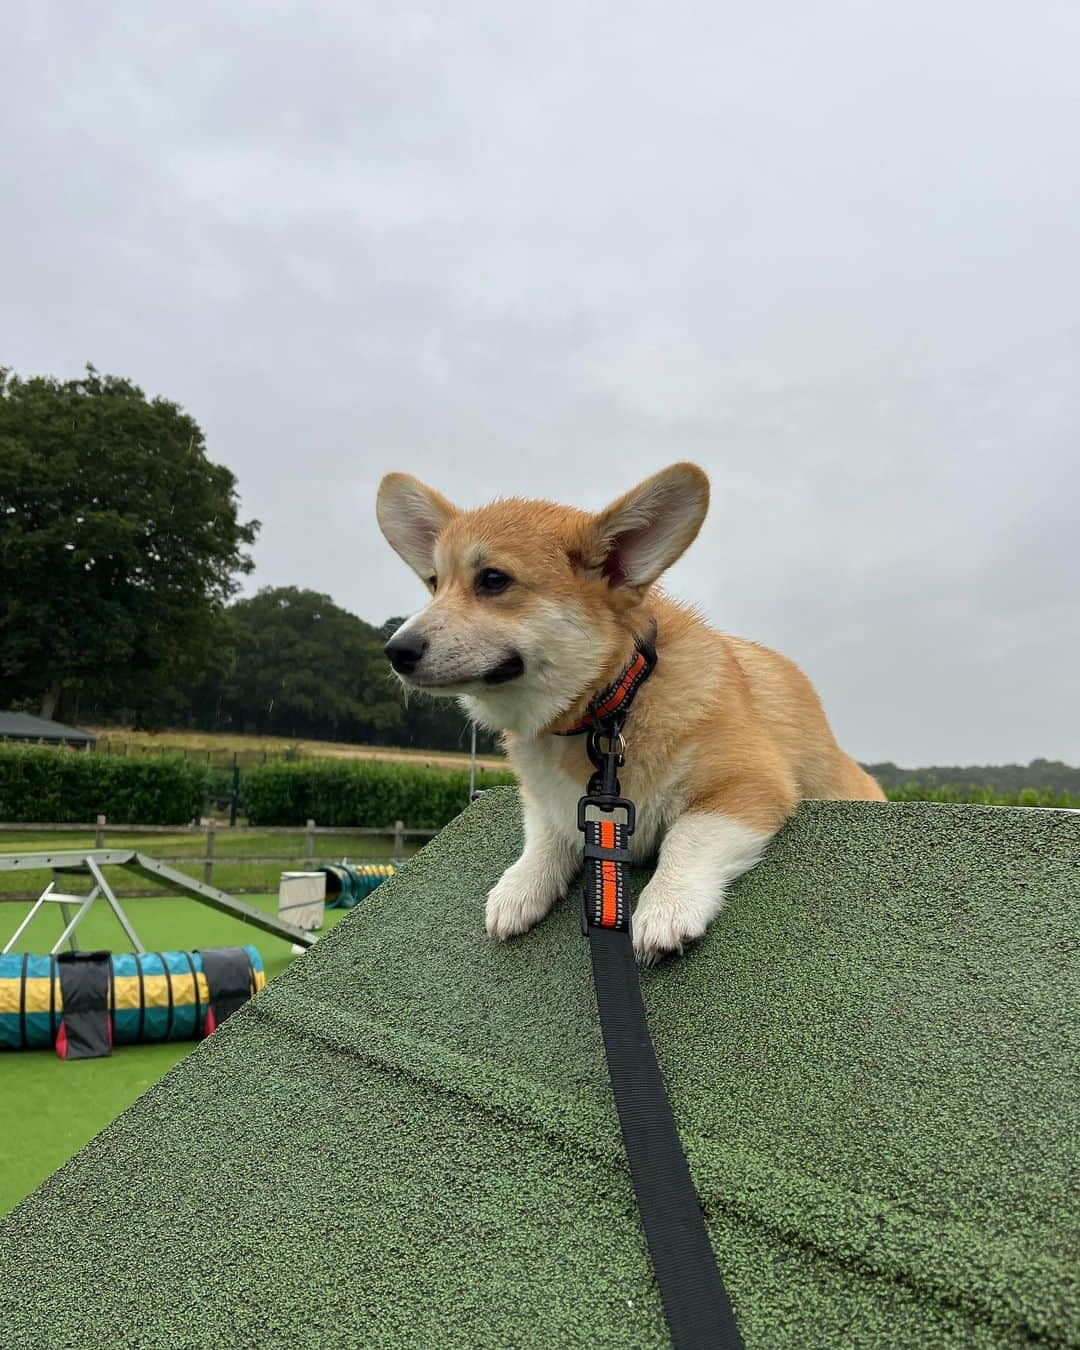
[[122, 550], [1009, 780], [290, 662], [121, 555]]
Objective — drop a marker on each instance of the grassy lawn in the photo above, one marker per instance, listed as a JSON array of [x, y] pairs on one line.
[[286, 852], [50, 1108]]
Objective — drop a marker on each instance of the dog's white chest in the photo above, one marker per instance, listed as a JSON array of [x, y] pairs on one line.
[[556, 794]]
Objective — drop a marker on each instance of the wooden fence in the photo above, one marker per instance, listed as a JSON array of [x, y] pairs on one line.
[[101, 829]]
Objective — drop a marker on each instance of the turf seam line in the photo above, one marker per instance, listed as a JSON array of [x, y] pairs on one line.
[[889, 1233]]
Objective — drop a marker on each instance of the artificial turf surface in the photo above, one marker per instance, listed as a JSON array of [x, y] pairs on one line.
[[408, 1138], [49, 1108]]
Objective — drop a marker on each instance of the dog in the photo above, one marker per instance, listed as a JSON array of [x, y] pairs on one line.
[[536, 608]]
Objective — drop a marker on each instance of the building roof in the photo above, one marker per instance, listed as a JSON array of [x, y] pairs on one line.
[[408, 1138], [19, 726]]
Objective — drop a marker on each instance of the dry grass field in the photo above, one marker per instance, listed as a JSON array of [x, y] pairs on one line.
[[219, 746]]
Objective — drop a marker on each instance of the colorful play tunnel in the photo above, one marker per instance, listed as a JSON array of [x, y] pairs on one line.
[[348, 883], [83, 1003]]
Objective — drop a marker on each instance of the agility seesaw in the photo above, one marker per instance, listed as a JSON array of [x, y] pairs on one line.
[[90, 862]]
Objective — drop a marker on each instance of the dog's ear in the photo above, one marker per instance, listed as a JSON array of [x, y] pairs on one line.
[[643, 533], [412, 516]]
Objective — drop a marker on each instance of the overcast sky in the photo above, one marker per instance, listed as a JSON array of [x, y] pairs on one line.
[[831, 252]]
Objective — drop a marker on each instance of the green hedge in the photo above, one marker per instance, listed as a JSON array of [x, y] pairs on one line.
[[358, 792], [41, 784], [376, 793], [62, 786]]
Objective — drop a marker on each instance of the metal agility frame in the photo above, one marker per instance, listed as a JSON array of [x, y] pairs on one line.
[[90, 862]]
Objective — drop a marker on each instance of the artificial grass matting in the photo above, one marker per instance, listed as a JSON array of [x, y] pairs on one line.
[[408, 1138], [49, 1107]]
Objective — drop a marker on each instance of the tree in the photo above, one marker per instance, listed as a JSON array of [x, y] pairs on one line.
[[306, 667], [120, 542]]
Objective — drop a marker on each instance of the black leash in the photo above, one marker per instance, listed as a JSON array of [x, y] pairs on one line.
[[696, 1305]]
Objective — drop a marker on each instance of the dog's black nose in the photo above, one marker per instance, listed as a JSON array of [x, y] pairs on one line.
[[405, 652]]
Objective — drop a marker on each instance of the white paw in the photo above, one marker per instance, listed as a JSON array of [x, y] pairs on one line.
[[664, 927], [514, 905]]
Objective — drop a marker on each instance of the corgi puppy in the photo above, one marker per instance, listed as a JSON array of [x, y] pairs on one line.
[[534, 608]]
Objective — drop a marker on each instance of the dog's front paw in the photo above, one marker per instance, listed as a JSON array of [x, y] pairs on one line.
[[514, 905], [662, 927]]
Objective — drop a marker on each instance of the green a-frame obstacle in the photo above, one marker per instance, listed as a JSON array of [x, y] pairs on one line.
[[91, 862], [872, 1056]]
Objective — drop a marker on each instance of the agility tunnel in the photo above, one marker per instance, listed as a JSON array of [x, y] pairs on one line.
[[349, 883], [871, 1057], [76, 1002]]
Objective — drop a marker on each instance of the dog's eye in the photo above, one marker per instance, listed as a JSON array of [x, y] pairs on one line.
[[433, 582], [491, 581]]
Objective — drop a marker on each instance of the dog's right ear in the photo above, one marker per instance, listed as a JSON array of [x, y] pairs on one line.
[[412, 516], [649, 527]]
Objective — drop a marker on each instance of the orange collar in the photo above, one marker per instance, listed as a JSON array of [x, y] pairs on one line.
[[607, 710]]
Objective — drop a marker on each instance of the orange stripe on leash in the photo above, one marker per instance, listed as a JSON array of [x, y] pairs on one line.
[[607, 876], [607, 895]]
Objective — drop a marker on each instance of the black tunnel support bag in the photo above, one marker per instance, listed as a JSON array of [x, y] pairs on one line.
[[86, 1025]]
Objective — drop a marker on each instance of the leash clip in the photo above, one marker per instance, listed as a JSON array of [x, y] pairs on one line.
[[606, 803], [607, 763]]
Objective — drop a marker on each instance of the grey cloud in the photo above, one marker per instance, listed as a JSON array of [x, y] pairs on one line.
[[827, 251]]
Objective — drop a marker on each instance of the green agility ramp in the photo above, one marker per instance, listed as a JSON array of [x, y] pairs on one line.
[[408, 1139]]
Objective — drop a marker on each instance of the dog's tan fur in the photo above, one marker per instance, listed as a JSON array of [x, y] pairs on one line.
[[724, 728], [757, 732]]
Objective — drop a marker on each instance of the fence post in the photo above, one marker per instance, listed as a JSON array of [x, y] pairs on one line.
[[208, 865], [234, 798], [309, 846], [399, 840], [99, 834]]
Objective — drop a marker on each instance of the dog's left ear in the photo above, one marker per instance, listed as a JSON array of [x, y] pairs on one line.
[[643, 533]]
